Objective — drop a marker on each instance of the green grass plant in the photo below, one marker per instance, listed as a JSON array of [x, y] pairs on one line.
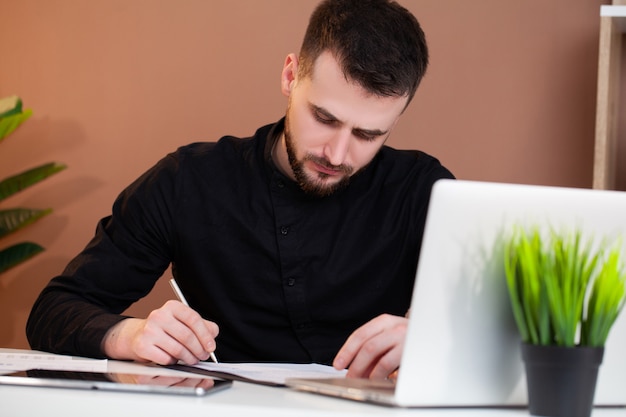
[[563, 290]]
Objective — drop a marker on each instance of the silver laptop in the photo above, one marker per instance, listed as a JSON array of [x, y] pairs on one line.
[[462, 346]]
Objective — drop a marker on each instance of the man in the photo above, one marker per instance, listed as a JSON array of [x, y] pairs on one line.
[[300, 243]]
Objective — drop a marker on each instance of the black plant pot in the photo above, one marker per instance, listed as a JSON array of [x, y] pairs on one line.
[[561, 381]]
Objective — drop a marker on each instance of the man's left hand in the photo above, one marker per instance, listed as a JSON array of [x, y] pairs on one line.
[[374, 350]]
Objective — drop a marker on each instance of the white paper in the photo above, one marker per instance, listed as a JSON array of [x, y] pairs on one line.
[[275, 373], [20, 361]]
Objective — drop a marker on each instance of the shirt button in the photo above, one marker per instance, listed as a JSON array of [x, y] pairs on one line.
[[291, 282], [280, 184], [284, 230]]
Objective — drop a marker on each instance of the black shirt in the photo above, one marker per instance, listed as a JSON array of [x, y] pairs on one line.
[[287, 277]]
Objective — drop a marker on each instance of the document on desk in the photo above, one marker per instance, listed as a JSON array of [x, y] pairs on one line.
[[21, 361], [273, 374]]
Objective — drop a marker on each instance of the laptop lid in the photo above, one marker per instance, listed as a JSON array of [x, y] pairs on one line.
[[462, 346]]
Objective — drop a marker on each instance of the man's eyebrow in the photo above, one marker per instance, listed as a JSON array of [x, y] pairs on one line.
[[330, 116], [371, 132]]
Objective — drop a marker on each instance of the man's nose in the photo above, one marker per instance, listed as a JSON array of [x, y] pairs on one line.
[[337, 147]]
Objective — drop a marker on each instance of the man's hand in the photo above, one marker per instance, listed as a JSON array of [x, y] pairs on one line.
[[374, 350], [171, 333]]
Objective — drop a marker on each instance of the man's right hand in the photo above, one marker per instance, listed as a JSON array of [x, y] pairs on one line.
[[171, 333]]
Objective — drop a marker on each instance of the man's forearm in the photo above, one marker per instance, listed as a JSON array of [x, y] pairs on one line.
[[62, 322]]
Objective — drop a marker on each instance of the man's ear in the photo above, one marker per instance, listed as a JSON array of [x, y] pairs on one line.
[[289, 74]]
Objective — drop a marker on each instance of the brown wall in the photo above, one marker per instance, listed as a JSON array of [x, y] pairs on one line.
[[115, 84]]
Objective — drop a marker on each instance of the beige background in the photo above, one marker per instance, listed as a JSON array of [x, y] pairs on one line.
[[116, 84]]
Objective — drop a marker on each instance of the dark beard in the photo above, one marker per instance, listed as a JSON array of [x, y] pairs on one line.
[[311, 186]]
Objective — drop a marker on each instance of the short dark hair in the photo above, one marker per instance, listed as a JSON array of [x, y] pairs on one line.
[[379, 44]]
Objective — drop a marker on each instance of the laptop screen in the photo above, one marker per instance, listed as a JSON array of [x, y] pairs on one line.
[[462, 345]]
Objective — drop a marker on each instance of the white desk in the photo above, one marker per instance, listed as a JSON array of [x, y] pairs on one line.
[[242, 399]]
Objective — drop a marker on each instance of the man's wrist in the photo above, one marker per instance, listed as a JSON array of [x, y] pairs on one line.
[[116, 343]]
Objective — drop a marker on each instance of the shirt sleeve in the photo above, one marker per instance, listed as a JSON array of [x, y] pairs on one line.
[[76, 309]]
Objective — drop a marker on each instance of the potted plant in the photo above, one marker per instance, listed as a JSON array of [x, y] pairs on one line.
[[11, 116], [566, 293]]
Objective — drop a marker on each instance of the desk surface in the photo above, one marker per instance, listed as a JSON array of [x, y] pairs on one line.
[[243, 399]]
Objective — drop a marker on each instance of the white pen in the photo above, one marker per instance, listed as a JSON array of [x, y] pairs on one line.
[[183, 300]]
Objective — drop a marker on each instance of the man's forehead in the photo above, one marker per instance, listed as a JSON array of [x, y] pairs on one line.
[[328, 90], [327, 63]]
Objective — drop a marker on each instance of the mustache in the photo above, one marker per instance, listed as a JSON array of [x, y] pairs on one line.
[[345, 169]]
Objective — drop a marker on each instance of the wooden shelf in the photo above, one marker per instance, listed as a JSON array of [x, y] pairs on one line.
[[612, 28]]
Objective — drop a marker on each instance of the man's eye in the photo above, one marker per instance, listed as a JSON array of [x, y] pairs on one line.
[[365, 136], [323, 119]]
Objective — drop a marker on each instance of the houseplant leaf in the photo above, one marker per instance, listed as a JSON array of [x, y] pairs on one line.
[[10, 105], [10, 123], [564, 290], [16, 183], [14, 219], [607, 299], [18, 253], [11, 117]]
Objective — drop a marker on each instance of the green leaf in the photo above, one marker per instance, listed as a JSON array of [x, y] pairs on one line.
[[10, 123], [510, 270], [15, 219], [561, 288], [606, 301], [16, 183], [11, 117], [18, 253], [10, 106]]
